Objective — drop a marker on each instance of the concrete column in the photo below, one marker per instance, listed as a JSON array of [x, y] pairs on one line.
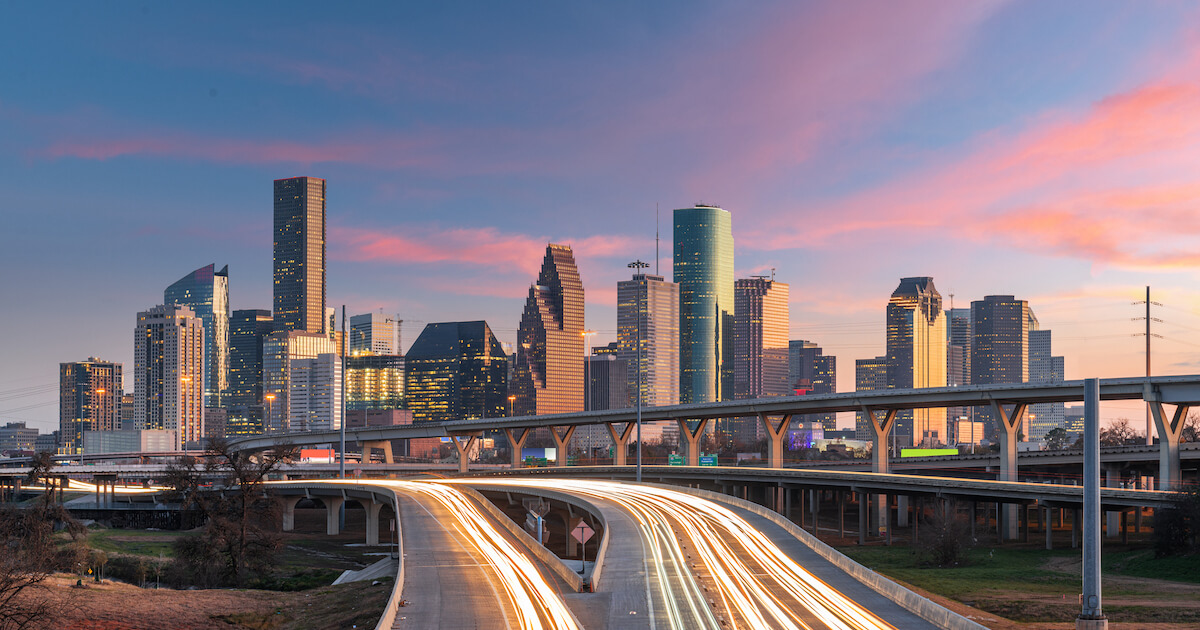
[[1049, 531], [333, 506], [776, 431], [516, 441], [862, 518], [1112, 479], [1091, 617], [841, 502], [372, 509], [289, 513], [1169, 470], [814, 497], [383, 445], [693, 439], [1007, 426], [463, 444], [620, 441], [902, 510], [562, 442], [881, 428]]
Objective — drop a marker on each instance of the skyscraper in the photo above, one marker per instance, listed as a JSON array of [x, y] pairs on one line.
[[658, 302], [760, 338], [281, 349], [89, 399], [703, 270], [300, 254], [206, 292], [248, 329], [1044, 368], [916, 352], [811, 372], [1000, 346], [315, 399], [374, 381], [548, 377], [456, 370], [374, 332], [869, 375], [168, 382]]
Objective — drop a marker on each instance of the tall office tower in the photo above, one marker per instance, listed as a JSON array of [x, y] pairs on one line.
[[315, 399], [810, 372], [656, 303], [334, 330], [869, 375], [958, 356], [374, 332], [89, 399], [454, 371], [127, 412], [704, 272], [1000, 348], [300, 254], [549, 374], [608, 388], [916, 342], [1044, 368], [248, 329], [760, 339], [206, 292], [280, 350], [374, 381], [168, 378]]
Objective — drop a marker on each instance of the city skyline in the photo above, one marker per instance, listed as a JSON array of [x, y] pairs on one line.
[[935, 178]]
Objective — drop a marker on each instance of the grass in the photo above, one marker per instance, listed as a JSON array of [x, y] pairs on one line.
[[136, 542], [345, 606], [986, 570], [1142, 563]]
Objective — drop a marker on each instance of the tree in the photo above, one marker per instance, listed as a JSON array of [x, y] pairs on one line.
[[1177, 527], [1057, 439], [1120, 433], [240, 535], [1191, 428]]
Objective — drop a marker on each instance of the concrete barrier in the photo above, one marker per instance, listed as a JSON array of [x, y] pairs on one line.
[[923, 607]]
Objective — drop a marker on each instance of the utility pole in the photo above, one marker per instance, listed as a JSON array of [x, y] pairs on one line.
[[1148, 318]]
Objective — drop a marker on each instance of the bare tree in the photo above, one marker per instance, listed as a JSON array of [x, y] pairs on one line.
[[1191, 428], [1120, 433], [241, 530]]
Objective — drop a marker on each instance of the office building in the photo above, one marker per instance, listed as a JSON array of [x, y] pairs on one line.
[[168, 382], [548, 377], [375, 333], [999, 347], [15, 438], [206, 292], [811, 372], [46, 442], [130, 441], [655, 303], [89, 399], [248, 329], [454, 371], [869, 375], [1044, 368], [916, 351], [608, 388], [958, 356], [703, 269], [127, 411], [299, 260], [280, 351], [374, 381], [760, 351], [315, 398]]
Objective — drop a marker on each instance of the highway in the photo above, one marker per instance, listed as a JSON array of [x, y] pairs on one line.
[[723, 572]]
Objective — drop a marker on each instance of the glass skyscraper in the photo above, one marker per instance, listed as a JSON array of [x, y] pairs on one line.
[[299, 258], [656, 302], [457, 370], [206, 292], [248, 329], [703, 269], [1000, 346], [916, 352], [548, 376]]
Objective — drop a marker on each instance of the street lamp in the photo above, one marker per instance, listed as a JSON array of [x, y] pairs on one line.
[[638, 266], [511, 399], [587, 379], [270, 398]]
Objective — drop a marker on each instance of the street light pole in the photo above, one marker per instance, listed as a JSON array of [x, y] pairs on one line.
[[587, 378], [342, 450], [638, 266]]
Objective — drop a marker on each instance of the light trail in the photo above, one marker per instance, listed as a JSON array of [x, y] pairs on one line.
[[758, 585]]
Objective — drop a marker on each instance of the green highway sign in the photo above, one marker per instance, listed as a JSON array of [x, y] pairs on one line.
[[675, 460], [708, 460]]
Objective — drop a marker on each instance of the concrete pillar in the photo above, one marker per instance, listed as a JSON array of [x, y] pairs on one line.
[[463, 444], [902, 511], [692, 438], [289, 513], [562, 442], [815, 497], [887, 517], [1049, 531], [1169, 470], [862, 519], [372, 509], [881, 428], [974, 517], [516, 442], [383, 445], [841, 503], [776, 431], [1112, 479], [1007, 427], [620, 441], [1092, 615], [333, 507]]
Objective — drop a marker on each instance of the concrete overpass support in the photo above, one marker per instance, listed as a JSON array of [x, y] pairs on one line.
[[693, 439], [333, 507], [562, 442], [1008, 425], [372, 509], [776, 431], [1169, 431], [620, 441], [383, 445], [881, 428], [516, 442], [289, 513], [463, 444]]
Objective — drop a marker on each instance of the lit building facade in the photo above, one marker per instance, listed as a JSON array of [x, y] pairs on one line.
[[89, 399], [1044, 367], [1000, 346], [869, 375], [760, 339], [454, 371], [811, 372], [248, 329], [958, 356], [376, 333], [280, 350], [168, 382], [299, 254], [656, 303], [548, 377], [916, 352], [703, 269], [374, 381], [315, 398], [206, 292], [15, 437]]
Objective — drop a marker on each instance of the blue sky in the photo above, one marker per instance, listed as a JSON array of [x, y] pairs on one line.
[[1045, 150]]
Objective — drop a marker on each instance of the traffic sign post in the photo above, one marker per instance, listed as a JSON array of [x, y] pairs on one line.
[[675, 460], [708, 460], [583, 533]]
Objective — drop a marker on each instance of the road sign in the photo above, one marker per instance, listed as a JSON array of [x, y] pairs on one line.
[[708, 460], [675, 460], [582, 532]]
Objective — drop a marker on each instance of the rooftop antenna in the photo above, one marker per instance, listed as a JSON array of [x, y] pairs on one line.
[[656, 238]]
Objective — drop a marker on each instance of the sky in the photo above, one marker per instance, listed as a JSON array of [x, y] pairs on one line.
[[1044, 150]]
